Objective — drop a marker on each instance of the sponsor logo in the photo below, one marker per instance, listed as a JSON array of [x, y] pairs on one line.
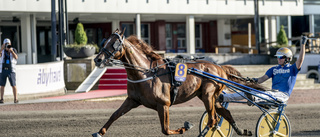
[[47, 76], [280, 71]]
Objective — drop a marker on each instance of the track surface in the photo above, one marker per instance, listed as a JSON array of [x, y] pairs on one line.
[[81, 118]]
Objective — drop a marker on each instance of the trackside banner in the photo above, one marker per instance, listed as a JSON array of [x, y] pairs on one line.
[[38, 78]]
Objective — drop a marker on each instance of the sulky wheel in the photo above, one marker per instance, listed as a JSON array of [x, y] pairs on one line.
[[266, 125], [224, 130]]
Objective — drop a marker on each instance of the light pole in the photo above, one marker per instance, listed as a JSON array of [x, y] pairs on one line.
[[257, 24], [53, 31]]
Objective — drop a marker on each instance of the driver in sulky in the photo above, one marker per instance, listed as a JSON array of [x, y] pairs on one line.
[[8, 61], [283, 78]]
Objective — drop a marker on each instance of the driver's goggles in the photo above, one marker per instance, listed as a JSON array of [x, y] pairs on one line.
[[281, 57]]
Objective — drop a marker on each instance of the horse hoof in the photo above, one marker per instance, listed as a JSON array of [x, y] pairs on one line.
[[188, 125], [245, 132], [96, 135]]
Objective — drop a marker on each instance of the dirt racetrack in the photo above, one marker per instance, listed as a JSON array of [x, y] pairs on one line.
[[81, 118]]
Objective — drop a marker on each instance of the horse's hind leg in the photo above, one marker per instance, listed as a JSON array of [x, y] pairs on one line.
[[227, 116], [163, 112], [208, 99], [127, 105]]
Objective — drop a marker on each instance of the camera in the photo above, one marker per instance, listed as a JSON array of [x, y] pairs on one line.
[[8, 46]]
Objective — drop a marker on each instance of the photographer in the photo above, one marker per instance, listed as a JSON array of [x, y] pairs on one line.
[[8, 61]]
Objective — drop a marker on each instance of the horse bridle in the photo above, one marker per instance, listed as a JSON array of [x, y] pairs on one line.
[[117, 46]]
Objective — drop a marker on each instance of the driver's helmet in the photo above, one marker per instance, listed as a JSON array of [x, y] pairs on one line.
[[284, 52]]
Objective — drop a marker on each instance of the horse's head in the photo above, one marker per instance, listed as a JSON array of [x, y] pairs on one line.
[[112, 48]]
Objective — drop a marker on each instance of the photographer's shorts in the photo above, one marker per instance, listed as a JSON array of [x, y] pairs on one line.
[[7, 74]]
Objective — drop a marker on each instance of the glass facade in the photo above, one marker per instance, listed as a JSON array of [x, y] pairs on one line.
[[169, 36], [145, 33], [283, 20], [181, 33], [129, 29], [317, 25], [198, 36], [11, 33]]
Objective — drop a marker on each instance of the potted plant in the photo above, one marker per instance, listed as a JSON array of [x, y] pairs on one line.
[[282, 41], [80, 49]]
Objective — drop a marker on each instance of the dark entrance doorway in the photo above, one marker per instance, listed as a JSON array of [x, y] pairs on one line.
[[300, 25], [44, 44]]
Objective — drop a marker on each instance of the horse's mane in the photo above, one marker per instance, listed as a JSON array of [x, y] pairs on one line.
[[144, 47], [230, 70]]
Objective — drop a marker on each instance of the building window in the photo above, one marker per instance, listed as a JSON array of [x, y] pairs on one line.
[[145, 33], [168, 36], [181, 33], [283, 20], [42, 43], [71, 36], [129, 29], [198, 41], [91, 35], [317, 25]]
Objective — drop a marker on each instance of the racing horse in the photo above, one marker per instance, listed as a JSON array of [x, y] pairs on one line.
[[150, 82]]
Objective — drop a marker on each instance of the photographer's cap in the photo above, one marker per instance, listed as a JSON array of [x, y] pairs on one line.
[[6, 40]]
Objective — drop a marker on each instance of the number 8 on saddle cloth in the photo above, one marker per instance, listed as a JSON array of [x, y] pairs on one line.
[[181, 72]]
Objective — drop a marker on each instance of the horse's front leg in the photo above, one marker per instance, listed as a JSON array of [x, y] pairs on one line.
[[127, 105], [163, 112]]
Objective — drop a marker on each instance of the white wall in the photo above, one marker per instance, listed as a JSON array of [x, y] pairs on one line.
[[309, 60], [26, 5], [311, 9], [38, 78], [223, 28], [272, 25], [222, 7], [22, 58]]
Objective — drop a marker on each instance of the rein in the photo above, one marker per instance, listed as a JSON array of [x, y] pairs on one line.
[[141, 69], [117, 47]]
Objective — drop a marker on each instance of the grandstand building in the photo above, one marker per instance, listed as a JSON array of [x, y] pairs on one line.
[[173, 26]]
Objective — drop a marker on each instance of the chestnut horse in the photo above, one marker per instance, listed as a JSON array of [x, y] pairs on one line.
[[149, 82]]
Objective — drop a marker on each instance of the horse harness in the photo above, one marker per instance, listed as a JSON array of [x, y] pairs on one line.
[[171, 65], [117, 46]]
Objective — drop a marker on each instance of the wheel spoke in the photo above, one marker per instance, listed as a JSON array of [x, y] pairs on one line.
[[220, 132], [266, 135], [280, 134], [216, 131], [269, 124]]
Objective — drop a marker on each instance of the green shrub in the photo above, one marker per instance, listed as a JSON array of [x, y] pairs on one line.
[[80, 34], [282, 37], [81, 39]]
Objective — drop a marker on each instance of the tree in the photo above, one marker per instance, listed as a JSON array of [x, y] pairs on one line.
[[80, 48], [80, 35], [282, 37]]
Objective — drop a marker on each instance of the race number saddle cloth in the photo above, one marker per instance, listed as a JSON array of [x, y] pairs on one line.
[[179, 71]]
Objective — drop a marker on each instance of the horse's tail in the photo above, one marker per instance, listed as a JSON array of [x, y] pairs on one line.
[[234, 75]]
